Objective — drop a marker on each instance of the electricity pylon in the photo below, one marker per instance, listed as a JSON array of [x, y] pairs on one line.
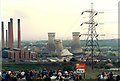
[[92, 36]]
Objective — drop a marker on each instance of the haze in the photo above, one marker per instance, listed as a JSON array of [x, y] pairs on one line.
[[38, 17]]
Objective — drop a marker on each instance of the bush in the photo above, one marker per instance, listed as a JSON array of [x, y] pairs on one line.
[[107, 67], [67, 68]]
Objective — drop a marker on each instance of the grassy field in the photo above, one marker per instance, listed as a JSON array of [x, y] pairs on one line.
[[89, 73]]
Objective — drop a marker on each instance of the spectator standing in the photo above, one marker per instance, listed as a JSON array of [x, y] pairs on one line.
[[47, 78], [111, 76], [4, 76], [74, 75], [118, 78]]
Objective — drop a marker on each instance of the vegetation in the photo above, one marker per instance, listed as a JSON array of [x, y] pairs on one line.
[[103, 43], [89, 73]]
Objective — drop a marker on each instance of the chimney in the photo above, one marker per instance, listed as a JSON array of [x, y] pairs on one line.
[[19, 35], [9, 38], [11, 33], [2, 34], [75, 48], [6, 39]]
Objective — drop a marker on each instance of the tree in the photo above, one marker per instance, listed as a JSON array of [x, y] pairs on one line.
[[67, 68]]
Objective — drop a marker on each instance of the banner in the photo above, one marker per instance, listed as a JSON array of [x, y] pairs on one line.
[[80, 66]]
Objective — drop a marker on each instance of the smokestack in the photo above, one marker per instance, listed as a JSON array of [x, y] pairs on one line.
[[2, 34], [51, 44], [19, 35], [11, 33], [75, 48], [9, 38], [59, 46], [6, 39]]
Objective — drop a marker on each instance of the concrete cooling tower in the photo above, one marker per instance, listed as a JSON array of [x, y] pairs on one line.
[[59, 46], [60, 49], [51, 44], [75, 47]]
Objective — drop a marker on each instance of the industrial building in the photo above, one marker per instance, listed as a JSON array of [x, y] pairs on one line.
[[8, 50]]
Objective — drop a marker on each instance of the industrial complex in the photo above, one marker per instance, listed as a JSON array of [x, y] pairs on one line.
[[8, 50], [54, 46]]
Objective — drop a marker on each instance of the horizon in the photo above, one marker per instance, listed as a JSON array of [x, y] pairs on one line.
[[62, 39]]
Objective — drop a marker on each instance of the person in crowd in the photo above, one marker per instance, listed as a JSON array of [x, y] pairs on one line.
[[108, 78], [103, 74], [47, 78], [118, 78], [77, 77], [44, 72], [59, 75], [74, 75], [39, 77], [80, 77], [98, 77], [4, 76], [111, 76], [27, 75]]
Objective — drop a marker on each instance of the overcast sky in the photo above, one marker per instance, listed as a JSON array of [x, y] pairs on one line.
[[38, 17]]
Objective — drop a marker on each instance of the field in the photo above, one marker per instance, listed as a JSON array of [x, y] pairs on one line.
[[89, 73]]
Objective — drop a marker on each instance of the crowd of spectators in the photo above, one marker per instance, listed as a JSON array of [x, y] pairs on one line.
[[35, 75], [51, 75], [108, 76]]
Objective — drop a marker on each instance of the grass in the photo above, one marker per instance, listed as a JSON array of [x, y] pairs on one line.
[[91, 75]]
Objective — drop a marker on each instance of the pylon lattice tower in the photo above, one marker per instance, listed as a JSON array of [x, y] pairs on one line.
[[92, 40]]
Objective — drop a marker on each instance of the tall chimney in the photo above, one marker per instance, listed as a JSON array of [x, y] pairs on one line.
[[75, 48], [19, 35], [6, 39], [11, 33], [9, 38], [2, 34]]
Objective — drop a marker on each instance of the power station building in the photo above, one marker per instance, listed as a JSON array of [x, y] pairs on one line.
[[8, 50]]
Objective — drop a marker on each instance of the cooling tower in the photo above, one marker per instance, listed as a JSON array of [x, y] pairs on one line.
[[59, 46], [19, 35], [2, 23], [75, 48], [51, 45]]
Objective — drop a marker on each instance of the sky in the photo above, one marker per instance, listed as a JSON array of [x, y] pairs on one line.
[[38, 17]]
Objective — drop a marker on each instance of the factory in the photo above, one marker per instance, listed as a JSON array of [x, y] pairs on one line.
[[8, 49]]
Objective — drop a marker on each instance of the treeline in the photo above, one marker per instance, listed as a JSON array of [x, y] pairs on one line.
[[113, 43], [102, 43]]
